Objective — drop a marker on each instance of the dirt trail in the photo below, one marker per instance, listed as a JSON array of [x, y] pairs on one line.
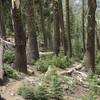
[[9, 91]]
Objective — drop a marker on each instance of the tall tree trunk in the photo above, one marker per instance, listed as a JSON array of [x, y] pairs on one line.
[[68, 29], [2, 36], [32, 36], [43, 25], [64, 37], [83, 26], [1, 61], [20, 39], [50, 40], [2, 25], [97, 39], [56, 28], [91, 36]]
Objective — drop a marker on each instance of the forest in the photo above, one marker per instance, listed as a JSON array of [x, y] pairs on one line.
[[49, 49]]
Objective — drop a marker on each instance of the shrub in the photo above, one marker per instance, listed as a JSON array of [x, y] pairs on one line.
[[89, 96], [52, 71], [97, 57], [84, 60], [26, 91], [42, 65], [44, 90], [55, 89], [10, 72], [61, 62], [53, 81], [9, 56], [94, 83], [98, 69], [97, 62], [41, 92]]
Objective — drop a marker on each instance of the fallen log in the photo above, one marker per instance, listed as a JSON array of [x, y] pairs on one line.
[[45, 53], [69, 71]]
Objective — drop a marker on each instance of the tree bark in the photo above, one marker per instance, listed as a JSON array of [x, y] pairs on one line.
[[43, 25], [91, 36], [20, 40], [56, 28], [64, 37], [68, 29], [2, 26], [32, 36], [2, 36], [83, 26], [97, 39], [1, 61]]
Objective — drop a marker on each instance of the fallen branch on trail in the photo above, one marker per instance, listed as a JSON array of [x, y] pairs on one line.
[[71, 70], [6, 42]]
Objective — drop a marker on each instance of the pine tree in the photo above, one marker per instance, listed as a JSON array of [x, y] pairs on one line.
[[33, 52], [91, 36], [20, 39], [68, 29], [56, 28]]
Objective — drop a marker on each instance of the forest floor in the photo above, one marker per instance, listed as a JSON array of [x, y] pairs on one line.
[[9, 89]]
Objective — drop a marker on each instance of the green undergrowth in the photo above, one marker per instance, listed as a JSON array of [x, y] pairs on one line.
[[9, 56], [48, 88], [94, 88], [97, 62], [10, 72], [61, 62]]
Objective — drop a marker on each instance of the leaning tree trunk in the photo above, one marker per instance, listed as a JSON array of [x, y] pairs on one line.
[[83, 24], [91, 36], [56, 28], [43, 25], [64, 37], [32, 36], [20, 39], [68, 29]]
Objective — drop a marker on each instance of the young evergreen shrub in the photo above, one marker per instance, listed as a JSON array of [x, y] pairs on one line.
[[52, 71], [43, 64], [9, 56], [55, 89], [61, 62], [10, 72], [27, 92], [41, 92], [94, 83]]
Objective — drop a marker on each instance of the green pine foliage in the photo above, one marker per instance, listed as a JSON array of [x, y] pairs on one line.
[[10, 72], [55, 89], [27, 92], [9, 56]]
